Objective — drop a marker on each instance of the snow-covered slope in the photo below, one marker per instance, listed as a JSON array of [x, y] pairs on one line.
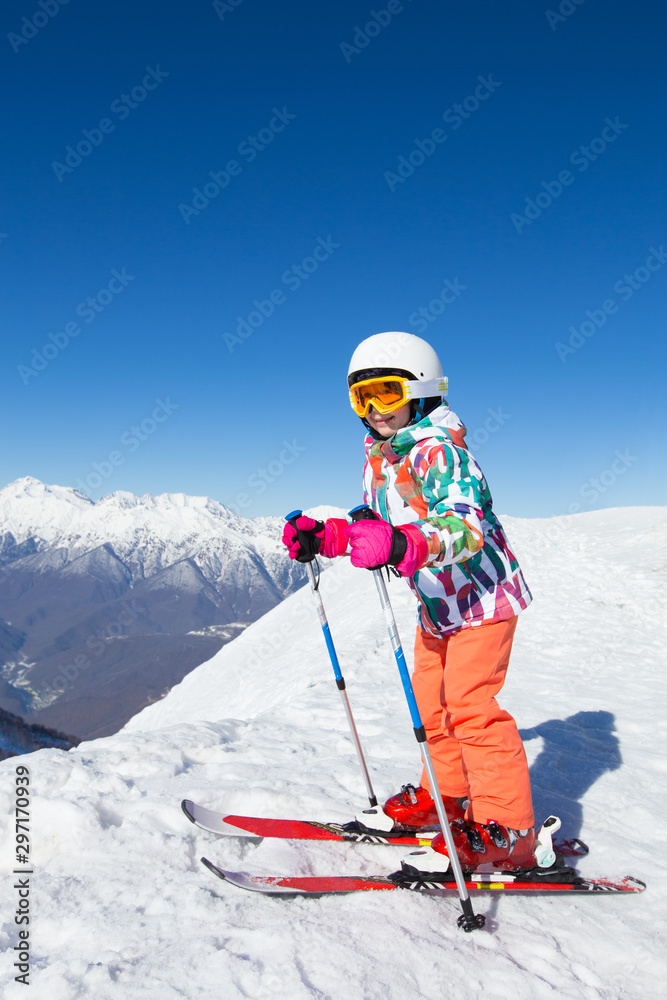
[[123, 909]]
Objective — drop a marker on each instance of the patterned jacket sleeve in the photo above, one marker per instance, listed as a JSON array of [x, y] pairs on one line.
[[455, 492]]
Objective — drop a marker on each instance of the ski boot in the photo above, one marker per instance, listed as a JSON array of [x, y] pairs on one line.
[[482, 847], [411, 809], [476, 844]]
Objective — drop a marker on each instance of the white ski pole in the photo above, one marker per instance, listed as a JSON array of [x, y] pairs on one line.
[[468, 920], [340, 681]]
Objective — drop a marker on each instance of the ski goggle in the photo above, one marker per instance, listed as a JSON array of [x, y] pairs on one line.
[[390, 393]]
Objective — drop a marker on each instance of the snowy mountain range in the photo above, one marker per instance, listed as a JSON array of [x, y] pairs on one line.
[[105, 605], [122, 908]]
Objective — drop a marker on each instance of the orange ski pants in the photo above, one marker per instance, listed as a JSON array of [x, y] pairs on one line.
[[475, 745]]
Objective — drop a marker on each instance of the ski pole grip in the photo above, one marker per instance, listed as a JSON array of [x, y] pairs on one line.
[[398, 539], [363, 513], [308, 542]]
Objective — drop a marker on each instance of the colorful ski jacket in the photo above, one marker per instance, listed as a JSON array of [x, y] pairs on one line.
[[425, 475]]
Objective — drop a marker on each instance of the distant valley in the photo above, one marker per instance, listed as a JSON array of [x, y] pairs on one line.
[[105, 605]]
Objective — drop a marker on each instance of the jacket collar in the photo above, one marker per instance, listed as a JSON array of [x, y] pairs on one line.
[[441, 424]]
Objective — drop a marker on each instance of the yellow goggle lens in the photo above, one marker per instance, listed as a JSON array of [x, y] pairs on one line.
[[386, 395]]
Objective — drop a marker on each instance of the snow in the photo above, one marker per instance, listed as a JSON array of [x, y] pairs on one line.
[[121, 907], [148, 533], [59, 515]]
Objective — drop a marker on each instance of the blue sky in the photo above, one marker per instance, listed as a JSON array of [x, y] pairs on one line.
[[207, 206]]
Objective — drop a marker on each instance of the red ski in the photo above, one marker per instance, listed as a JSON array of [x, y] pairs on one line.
[[294, 829], [477, 883]]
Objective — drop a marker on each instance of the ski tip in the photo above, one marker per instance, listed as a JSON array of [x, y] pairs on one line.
[[255, 883], [213, 868], [186, 806]]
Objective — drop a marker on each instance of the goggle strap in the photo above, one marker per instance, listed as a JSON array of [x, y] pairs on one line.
[[413, 387], [432, 387]]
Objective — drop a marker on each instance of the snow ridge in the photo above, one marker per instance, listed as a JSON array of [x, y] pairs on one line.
[[260, 729]]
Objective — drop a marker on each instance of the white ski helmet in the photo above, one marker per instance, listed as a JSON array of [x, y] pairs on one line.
[[407, 356]]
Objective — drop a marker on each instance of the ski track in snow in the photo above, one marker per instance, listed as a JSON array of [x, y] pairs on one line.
[[122, 909]]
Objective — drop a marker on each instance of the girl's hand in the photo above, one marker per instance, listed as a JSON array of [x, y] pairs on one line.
[[305, 538], [377, 543]]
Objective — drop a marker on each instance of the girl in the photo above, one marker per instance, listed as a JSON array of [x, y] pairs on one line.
[[438, 528]]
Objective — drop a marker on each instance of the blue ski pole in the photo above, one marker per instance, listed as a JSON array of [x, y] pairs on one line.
[[468, 920], [340, 681]]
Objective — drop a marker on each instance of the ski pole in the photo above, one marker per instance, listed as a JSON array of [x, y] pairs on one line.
[[468, 920], [340, 681]]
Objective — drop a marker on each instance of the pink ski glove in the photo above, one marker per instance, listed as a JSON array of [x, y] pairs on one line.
[[306, 538], [377, 543]]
